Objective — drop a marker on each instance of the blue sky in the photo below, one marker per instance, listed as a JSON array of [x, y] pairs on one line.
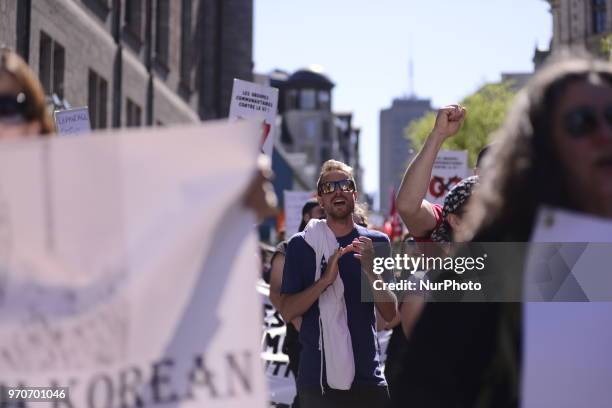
[[364, 46]]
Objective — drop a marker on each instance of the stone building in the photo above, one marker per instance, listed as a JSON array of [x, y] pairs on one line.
[[580, 24], [134, 62], [309, 131]]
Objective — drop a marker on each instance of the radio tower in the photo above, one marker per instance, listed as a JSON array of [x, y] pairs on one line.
[[411, 92]]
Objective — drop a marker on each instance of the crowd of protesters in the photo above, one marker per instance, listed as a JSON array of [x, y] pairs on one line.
[[448, 354], [441, 354]]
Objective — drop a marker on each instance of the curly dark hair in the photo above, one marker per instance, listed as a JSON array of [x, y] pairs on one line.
[[523, 170]]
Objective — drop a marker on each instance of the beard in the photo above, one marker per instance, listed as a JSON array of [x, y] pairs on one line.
[[340, 213]]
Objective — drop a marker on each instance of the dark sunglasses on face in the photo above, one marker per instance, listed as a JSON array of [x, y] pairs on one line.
[[346, 186], [584, 120], [13, 105]]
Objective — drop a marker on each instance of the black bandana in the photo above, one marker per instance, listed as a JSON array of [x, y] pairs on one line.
[[455, 198]]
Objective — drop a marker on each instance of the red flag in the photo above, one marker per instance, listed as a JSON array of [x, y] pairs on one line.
[[394, 221]]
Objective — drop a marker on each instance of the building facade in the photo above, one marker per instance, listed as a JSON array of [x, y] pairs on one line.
[[580, 24], [395, 149], [309, 132], [134, 62]]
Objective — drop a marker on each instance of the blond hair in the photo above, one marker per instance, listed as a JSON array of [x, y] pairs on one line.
[[335, 165]]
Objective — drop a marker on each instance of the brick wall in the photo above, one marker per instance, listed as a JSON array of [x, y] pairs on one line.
[[221, 51], [8, 19]]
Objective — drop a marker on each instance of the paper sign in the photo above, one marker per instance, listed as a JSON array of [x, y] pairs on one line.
[[294, 201], [449, 169], [72, 121], [567, 344], [281, 382], [254, 101], [122, 280]]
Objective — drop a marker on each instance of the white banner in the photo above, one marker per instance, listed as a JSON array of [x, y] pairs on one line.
[[127, 268], [294, 202], [254, 101], [449, 169]]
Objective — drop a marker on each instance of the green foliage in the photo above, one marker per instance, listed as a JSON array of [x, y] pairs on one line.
[[605, 46], [486, 111]]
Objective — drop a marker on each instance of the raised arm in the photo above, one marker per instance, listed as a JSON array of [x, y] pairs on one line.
[[416, 212]]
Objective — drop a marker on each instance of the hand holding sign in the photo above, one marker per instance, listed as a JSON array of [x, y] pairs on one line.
[[255, 101]]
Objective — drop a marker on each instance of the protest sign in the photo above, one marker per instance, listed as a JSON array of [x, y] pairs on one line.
[[449, 169], [72, 121], [280, 379], [259, 102], [131, 281], [294, 201], [567, 344]]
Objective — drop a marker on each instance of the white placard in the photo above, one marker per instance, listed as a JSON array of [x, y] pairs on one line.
[[294, 202], [72, 121], [567, 350], [281, 382], [122, 280], [254, 101], [449, 169]]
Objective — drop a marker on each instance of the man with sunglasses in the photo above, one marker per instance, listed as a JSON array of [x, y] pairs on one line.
[[352, 264]]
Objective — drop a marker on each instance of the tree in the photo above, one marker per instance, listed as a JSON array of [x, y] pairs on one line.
[[605, 46], [486, 111]]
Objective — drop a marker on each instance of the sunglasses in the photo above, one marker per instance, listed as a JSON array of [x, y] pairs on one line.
[[585, 120], [346, 186], [13, 105]]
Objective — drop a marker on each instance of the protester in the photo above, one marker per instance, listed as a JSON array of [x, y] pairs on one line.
[[310, 210], [428, 222], [555, 149], [291, 345], [419, 215], [340, 363], [22, 100], [563, 114]]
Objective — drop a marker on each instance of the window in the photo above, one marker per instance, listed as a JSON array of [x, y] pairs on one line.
[[98, 97], [599, 15], [162, 32], [51, 65], [308, 99], [99, 7], [133, 113], [325, 153], [186, 43], [133, 17], [324, 100], [291, 99]]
